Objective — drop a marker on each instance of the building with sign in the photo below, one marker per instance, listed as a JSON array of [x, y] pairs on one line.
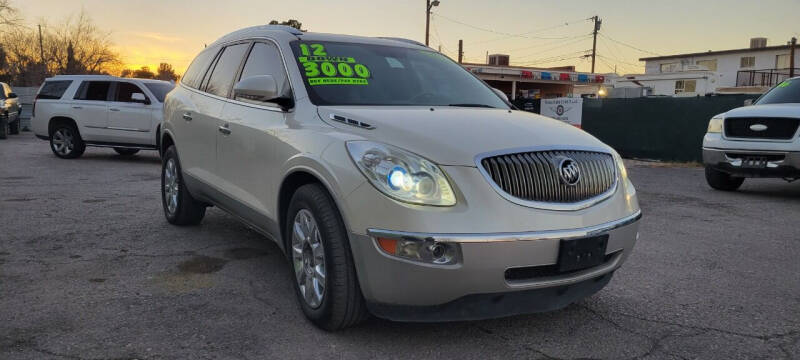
[[534, 83]]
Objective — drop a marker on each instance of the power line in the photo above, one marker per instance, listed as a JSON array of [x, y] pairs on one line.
[[565, 24], [554, 48], [497, 32], [554, 58], [585, 36], [628, 45]]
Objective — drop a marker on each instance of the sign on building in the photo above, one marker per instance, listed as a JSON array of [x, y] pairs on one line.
[[569, 110]]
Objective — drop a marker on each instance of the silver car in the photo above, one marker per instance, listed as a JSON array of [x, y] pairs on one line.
[[396, 182]]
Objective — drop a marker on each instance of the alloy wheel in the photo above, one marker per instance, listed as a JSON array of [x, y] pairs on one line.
[[63, 141], [308, 257], [171, 188]]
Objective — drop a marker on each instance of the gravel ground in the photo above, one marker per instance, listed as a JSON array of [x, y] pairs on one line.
[[89, 269]]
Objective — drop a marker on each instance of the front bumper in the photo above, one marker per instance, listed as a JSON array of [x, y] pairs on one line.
[[780, 164], [479, 286]]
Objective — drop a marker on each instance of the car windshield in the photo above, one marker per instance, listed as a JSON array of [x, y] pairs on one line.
[[337, 73], [785, 93], [159, 90]]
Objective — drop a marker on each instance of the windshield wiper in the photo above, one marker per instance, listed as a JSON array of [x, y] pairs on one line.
[[473, 105]]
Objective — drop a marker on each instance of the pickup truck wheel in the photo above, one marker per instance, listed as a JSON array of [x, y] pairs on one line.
[[126, 152], [3, 127], [322, 263], [722, 181], [180, 208], [13, 128], [66, 142]]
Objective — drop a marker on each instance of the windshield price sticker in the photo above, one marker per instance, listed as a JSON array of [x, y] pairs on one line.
[[321, 69]]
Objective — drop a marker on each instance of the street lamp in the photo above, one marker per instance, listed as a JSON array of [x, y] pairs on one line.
[[429, 5]]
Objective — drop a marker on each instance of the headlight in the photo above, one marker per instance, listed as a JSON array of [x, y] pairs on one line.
[[402, 175], [715, 125], [623, 172]]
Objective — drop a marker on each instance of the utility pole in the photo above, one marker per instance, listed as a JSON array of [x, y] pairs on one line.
[[460, 51], [41, 53], [428, 6], [792, 45], [597, 23]]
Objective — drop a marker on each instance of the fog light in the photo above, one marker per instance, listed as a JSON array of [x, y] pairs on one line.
[[422, 250]]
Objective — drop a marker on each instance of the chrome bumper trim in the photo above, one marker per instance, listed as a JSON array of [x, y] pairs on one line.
[[506, 237]]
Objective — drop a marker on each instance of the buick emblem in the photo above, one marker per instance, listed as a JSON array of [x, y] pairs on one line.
[[758, 127], [569, 171]]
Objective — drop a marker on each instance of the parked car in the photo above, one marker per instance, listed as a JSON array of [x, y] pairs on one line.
[[396, 182], [76, 111], [9, 111], [761, 140]]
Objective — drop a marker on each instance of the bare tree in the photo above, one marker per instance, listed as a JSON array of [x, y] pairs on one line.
[[9, 16], [291, 22]]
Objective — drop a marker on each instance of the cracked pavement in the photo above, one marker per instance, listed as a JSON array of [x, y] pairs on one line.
[[89, 269]]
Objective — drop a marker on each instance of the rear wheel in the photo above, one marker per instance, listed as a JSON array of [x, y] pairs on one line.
[[722, 181], [3, 127], [180, 208], [66, 142], [126, 152], [319, 252]]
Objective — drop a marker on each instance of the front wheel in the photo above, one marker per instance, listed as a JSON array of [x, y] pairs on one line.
[[180, 208], [66, 142], [13, 128], [722, 181], [126, 152], [319, 252]]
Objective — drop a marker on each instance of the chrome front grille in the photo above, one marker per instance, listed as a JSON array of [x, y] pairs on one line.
[[535, 178]]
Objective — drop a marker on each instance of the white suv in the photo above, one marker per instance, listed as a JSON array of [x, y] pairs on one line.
[[396, 182], [762, 140], [75, 111]]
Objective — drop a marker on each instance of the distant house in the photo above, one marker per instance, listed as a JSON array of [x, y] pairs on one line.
[[692, 74]]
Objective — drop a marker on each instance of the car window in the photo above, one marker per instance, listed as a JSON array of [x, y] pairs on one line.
[[159, 90], [125, 90], [53, 89], [786, 92], [194, 74], [338, 73], [265, 59], [221, 79], [93, 90]]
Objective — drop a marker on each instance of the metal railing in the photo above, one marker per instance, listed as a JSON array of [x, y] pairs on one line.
[[764, 77]]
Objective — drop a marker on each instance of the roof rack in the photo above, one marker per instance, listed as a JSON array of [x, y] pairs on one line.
[[407, 41], [286, 28]]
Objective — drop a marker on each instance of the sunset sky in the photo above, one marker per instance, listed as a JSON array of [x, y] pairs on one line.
[[147, 32]]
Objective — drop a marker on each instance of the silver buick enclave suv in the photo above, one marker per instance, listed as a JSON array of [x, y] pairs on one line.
[[397, 183]]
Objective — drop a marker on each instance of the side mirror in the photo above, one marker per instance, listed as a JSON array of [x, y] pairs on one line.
[[748, 102], [257, 88], [501, 94], [139, 98], [12, 95]]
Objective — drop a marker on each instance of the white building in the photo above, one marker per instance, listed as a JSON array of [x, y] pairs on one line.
[[708, 72]]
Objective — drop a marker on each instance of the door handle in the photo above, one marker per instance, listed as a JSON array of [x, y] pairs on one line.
[[77, 107], [225, 130], [114, 109], [187, 116]]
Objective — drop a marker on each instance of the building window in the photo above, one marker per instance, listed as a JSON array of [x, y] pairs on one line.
[[708, 64], [782, 61], [668, 68], [747, 62], [685, 86]]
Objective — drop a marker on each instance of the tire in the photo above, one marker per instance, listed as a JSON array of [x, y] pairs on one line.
[[66, 141], [126, 152], [180, 208], [13, 128], [722, 181], [3, 127], [342, 304]]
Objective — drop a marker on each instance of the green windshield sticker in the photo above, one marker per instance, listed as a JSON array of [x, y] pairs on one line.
[[784, 84], [337, 81], [322, 69]]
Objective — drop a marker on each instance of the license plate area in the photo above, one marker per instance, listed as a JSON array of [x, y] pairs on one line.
[[583, 253]]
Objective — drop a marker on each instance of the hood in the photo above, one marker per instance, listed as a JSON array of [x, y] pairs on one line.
[[770, 110], [454, 136]]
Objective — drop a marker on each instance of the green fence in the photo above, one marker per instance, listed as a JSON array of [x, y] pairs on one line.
[[669, 129]]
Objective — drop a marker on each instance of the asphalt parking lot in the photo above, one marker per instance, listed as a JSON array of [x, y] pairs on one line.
[[89, 269]]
